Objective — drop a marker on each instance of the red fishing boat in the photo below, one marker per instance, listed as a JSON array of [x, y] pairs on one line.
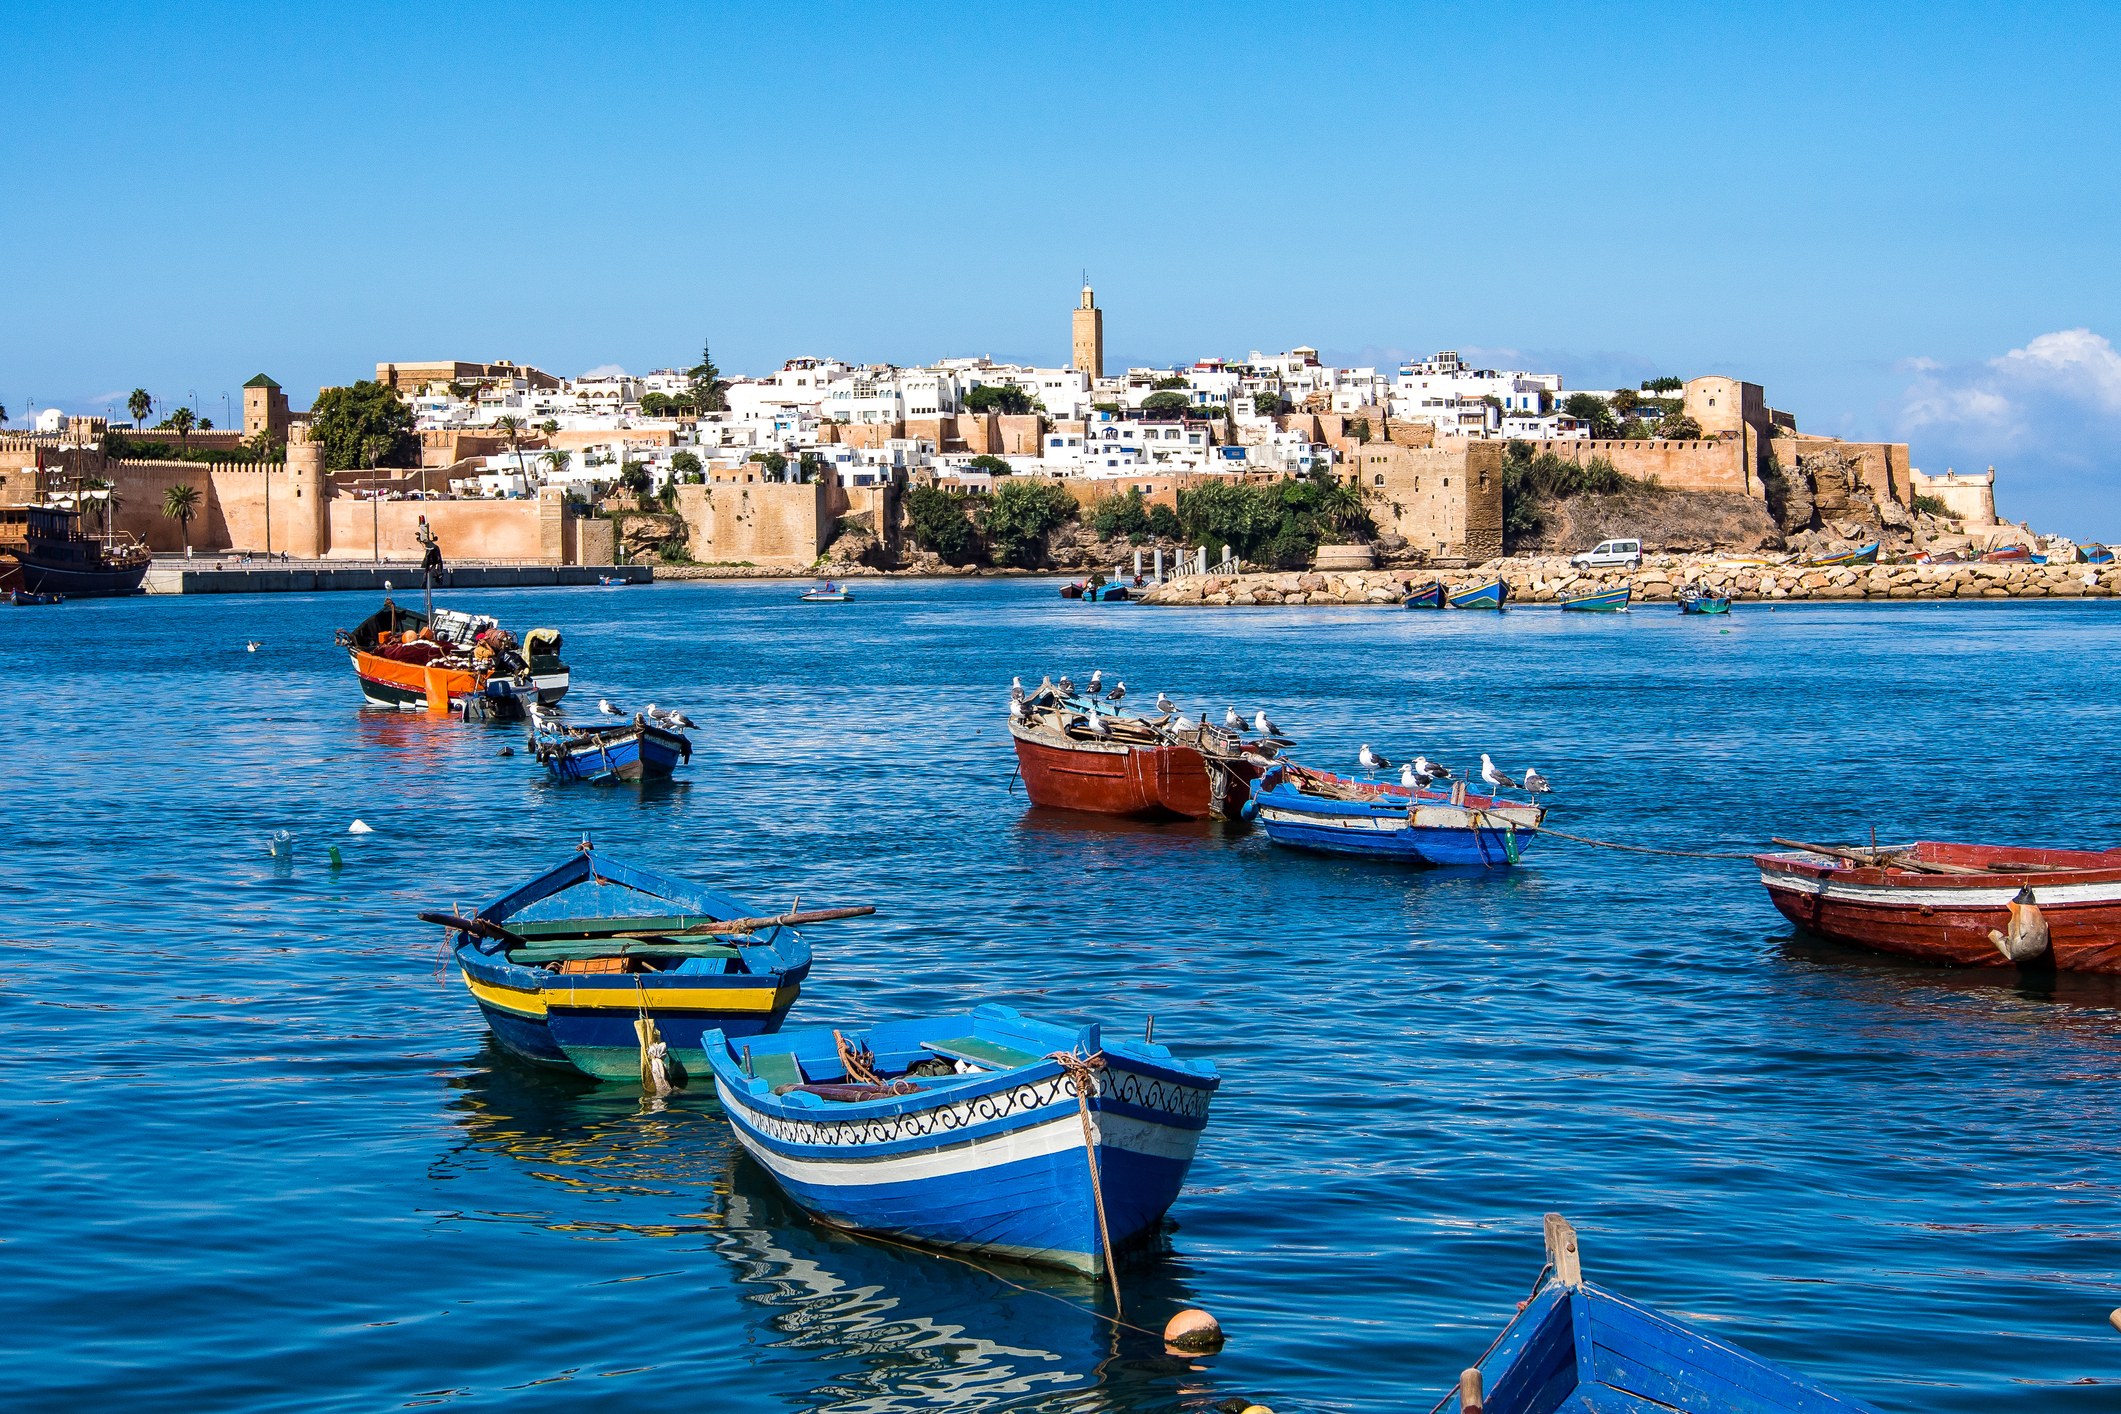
[[1971, 904], [1135, 766]]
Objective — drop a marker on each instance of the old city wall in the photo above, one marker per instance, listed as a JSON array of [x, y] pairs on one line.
[[466, 530], [784, 524], [1444, 501], [1712, 464], [1882, 466]]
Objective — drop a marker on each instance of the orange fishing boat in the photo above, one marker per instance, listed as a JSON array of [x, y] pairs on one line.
[[452, 662]]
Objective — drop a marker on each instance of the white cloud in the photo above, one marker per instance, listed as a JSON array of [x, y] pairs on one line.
[[605, 370]]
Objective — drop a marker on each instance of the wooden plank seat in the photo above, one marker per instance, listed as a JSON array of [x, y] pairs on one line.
[[602, 927], [568, 949], [987, 1053]]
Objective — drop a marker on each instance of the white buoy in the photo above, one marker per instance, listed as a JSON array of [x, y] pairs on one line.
[[360, 827], [1193, 1332]]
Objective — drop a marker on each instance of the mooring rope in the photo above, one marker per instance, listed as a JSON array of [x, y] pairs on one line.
[[1537, 1283], [1081, 1070], [1641, 848]]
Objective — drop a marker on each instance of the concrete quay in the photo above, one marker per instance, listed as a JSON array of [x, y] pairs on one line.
[[174, 576], [1547, 581]]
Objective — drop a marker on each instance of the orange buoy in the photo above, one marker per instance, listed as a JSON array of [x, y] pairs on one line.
[[1193, 1332]]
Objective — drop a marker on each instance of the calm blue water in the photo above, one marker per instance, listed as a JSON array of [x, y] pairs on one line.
[[261, 1156]]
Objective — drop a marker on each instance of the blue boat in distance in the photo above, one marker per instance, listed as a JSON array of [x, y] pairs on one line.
[[1492, 595], [564, 966], [1604, 601], [978, 1132], [1308, 809], [1577, 1349], [1429, 596], [1704, 604]]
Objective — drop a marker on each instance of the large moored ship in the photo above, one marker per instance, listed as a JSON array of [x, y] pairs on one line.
[[42, 552]]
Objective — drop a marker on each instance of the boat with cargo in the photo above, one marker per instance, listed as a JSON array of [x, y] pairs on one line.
[[1310, 809], [44, 552], [443, 661]]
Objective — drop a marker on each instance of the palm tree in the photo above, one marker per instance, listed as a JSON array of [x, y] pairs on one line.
[[3, 414], [139, 405], [181, 422], [511, 427], [556, 462], [180, 504]]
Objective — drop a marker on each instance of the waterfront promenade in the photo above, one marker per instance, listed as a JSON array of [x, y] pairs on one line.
[[236, 574]]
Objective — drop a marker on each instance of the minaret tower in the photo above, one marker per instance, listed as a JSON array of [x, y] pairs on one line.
[[1089, 334]]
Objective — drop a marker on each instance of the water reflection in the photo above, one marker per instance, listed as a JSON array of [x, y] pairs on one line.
[[872, 1326], [2089, 991]]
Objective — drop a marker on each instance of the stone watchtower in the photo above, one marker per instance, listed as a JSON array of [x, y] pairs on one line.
[[1089, 336], [299, 492], [264, 408]]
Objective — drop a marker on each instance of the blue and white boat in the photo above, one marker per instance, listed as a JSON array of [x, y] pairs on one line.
[[639, 750], [1577, 1349], [1309, 809], [1601, 601], [1492, 595], [967, 1131]]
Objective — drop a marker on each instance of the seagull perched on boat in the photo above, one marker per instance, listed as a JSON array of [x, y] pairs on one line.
[[1016, 689], [1535, 783], [1371, 761], [1494, 777], [1411, 781], [1264, 727], [1164, 704], [1117, 692], [1098, 727], [1097, 681], [1428, 772], [1067, 686], [1016, 710], [679, 719], [607, 709], [1231, 720], [1045, 685]]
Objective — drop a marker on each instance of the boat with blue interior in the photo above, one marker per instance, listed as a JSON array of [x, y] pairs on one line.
[[639, 750], [1575, 1348], [1492, 595], [1429, 596], [1862, 555], [1601, 601], [1308, 809], [564, 966], [986, 1131], [1696, 601]]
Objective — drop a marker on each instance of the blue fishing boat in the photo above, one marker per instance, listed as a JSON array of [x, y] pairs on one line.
[[1113, 593], [1429, 596], [1492, 595], [564, 966], [1602, 601], [611, 581], [1308, 809], [639, 750], [1577, 1349], [1697, 603], [2095, 555], [827, 593], [1868, 555], [984, 1132]]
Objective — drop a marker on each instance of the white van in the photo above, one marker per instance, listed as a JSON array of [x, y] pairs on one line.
[[1609, 554]]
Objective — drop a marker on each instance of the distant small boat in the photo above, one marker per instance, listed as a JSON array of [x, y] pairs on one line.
[[2095, 554], [565, 965], [1604, 601], [612, 581], [638, 750], [2007, 554], [1318, 810], [1575, 1349], [1429, 596], [969, 1131], [1868, 555], [1113, 593], [22, 598], [827, 593], [1704, 604], [1072, 590], [1491, 595]]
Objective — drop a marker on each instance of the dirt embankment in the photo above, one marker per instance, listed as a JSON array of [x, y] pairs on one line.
[[1681, 522]]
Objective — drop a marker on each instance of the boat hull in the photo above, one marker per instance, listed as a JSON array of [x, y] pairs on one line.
[[1606, 602], [42, 578], [1492, 595], [1947, 918], [1412, 829], [638, 754], [998, 1168], [409, 687], [584, 1021], [1704, 606], [1429, 597], [1111, 778]]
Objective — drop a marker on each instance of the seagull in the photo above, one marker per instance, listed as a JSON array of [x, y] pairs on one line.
[[1164, 703], [1097, 681], [1016, 710], [1067, 686], [1045, 685], [1535, 783], [1016, 689], [1097, 726], [607, 709], [1493, 777], [1116, 693], [1371, 761], [252, 645], [1264, 727], [1434, 773], [1231, 720], [679, 719], [1408, 779]]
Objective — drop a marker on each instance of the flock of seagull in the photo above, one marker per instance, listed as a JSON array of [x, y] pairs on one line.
[[1418, 774], [652, 712]]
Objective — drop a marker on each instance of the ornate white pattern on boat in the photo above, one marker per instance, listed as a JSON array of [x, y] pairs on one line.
[[1122, 1086]]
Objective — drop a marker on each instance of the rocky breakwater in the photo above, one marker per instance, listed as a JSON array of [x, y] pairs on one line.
[[1313, 587]]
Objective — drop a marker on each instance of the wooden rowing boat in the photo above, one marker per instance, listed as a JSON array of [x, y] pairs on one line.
[[1969, 904], [1704, 604], [1575, 1348], [1602, 601], [1868, 555], [1492, 595], [965, 1131], [563, 966], [639, 750], [1429, 596], [1140, 768], [1317, 810]]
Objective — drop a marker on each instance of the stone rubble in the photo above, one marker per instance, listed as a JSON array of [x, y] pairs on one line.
[[1545, 580]]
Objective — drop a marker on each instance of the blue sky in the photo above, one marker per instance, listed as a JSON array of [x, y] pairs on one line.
[[1900, 220]]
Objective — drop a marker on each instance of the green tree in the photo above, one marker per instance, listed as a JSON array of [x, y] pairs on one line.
[[1623, 403], [1163, 522], [346, 420], [139, 404], [773, 462], [1166, 403], [687, 466], [181, 422], [654, 404], [938, 522], [180, 504], [550, 427], [1266, 404], [1004, 398], [1176, 380], [991, 464], [1679, 428], [3, 414], [556, 462], [811, 468], [1666, 384], [1121, 515], [265, 445], [707, 383], [1023, 511], [634, 477], [1593, 412]]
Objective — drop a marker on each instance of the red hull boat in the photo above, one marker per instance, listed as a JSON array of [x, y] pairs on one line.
[[1194, 775], [1940, 902]]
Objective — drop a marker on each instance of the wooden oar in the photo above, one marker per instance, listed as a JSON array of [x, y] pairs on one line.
[[1880, 859], [732, 926], [477, 927]]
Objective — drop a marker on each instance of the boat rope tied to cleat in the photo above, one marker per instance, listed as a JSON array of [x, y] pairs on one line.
[[1082, 1071]]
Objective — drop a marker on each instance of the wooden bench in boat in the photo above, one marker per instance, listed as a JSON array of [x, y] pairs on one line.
[[971, 1048]]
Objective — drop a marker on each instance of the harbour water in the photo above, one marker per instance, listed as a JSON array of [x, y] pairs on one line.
[[261, 1156]]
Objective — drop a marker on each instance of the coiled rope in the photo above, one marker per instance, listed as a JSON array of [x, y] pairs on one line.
[[1082, 1070]]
